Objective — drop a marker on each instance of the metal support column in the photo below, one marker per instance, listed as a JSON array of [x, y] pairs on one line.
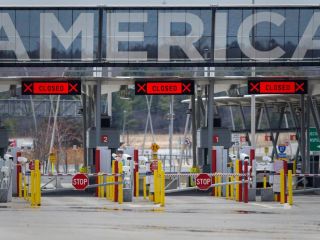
[[243, 118], [303, 133], [210, 120], [253, 121], [198, 109], [84, 119], [98, 112], [194, 132], [309, 105], [274, 151], [296, 125], [171, 130], [274, 143]]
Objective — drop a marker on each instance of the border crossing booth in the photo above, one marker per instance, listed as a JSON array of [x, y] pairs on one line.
[[109, 139], [222, 143]]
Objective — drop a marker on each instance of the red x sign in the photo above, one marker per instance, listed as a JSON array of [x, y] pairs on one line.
[[27, 87], [300, 87], [254, 87], [186, 87], [142, 87], [73, 87]]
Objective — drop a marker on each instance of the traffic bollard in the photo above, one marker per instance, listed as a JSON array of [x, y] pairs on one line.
[[219, 187], [240, 185], [144, 187], [137, 184], [237, 180], [37, 183], [20, 184], [98, 187], [112, 185], [282, 187], [116, 180], [32, 195], [120, 186], [227, 188], [163, 193], [231, 189], [107, 187], [25, 189], [216, 188], [155, 186], [246, 184], [290, 192], [102, 187], [214, 170]]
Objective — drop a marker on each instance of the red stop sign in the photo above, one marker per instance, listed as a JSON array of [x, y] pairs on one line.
[[80, 181], [203, 181]]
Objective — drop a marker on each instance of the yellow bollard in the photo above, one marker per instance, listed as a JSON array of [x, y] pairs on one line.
[[237, 180], [232, 189], [37, 183], [163, 185], [112, 181], [98, 184], [32, 195], [120, 186], [159, 178], [103, 186], [294, 167], [155, 186], [227, 188], [25, 192], [151, 198], [290, 192], [282, 187], [144, 187], [219, 187], [264, 182], [137, 184], [107, 187], [216, 188], [20, 184]]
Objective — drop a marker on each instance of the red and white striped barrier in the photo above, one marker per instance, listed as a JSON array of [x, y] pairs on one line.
[[306, 175], [73, 174], [210, 174]]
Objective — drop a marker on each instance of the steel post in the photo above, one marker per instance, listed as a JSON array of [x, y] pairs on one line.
[[210, 120], [84, 119], [194, 132], [98, 112], [274, 144], [309, 104], [302, 134]]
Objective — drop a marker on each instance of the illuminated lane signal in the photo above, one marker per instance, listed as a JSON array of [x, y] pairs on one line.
[[277, 87], [185, 87], [51, 87]]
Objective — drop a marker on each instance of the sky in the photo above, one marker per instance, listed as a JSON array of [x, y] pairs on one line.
[[147, 2]]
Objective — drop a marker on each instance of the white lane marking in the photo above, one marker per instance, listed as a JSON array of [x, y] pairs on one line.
[[263, 205]]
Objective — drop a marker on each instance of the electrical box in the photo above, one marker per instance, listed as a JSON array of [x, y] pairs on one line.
[[109, 137], [221, 137]]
